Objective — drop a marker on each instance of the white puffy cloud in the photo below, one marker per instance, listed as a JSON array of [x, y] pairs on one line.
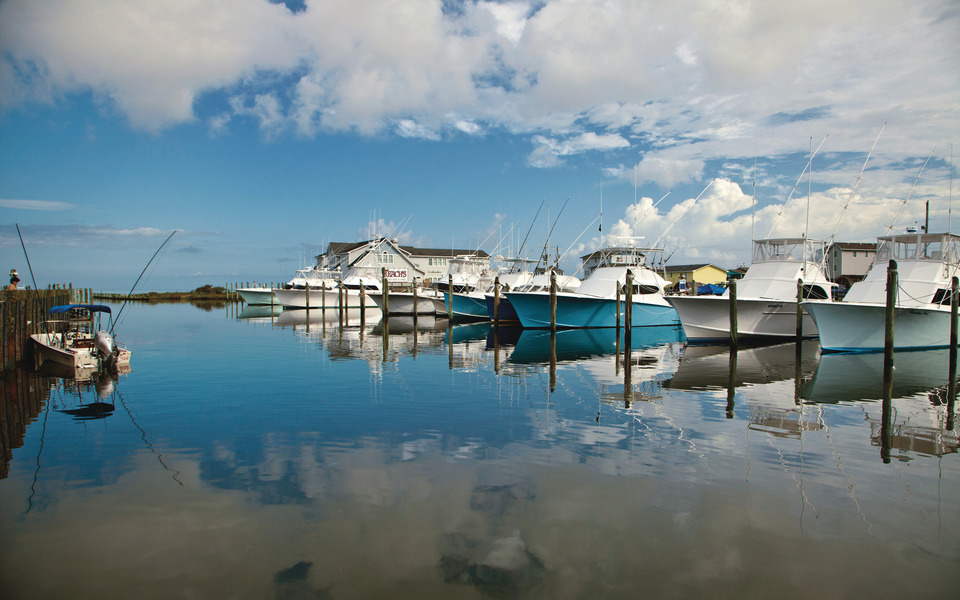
[[698, 78]]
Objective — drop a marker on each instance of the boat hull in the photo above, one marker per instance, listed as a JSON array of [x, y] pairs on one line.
[[50, 347], [402, 303], [506, 310], [257, 296], [297, 298], [707, 318], [467, 306], [859, 326], [576, 311]]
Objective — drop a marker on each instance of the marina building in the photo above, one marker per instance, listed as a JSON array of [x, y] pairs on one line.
[[698, 274], [403, 264], [848, 262]]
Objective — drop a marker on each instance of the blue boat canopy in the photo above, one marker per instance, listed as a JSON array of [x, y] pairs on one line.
[[62, 308]]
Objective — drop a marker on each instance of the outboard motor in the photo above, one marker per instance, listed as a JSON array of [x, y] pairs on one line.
[[104, 343]]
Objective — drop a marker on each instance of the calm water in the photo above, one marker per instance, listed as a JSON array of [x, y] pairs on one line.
[[255, 457]]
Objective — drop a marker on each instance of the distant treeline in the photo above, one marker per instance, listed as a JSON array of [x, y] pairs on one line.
[[204, 293]]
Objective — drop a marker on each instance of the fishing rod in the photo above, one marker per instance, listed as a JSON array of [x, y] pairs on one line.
[[122, 306], [546, 246], [22, 245], [790, 196], [532, 223], [855, 184]]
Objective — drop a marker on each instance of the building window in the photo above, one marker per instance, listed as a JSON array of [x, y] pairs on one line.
[[386, 259]]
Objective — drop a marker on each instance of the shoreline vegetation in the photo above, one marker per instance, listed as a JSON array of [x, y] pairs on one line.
[[205, 293]]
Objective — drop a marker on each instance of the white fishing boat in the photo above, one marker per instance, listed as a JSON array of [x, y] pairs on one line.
[[595, 304], [74, 338], [424, 301], [316, 285], [766, 296], [261, 295], [926, 263], [468, 277]]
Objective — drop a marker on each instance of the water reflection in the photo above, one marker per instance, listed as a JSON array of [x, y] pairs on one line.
[[260, 312], [402, 460]]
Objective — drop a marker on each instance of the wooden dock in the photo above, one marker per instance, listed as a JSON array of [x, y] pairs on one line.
[[23, 311]]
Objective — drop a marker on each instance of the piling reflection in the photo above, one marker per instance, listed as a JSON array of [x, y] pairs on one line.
[[913, 417]]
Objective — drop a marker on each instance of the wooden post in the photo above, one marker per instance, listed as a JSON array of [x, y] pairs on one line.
[[385, 293], [732, 287], [416, 311], [618, 309], [892, 284], [799, 311], [616, 352], [450, 298], [628, 315], [306, 291], [341, 301], [363, 307], [323, 297], [496, 301], [553, 300]]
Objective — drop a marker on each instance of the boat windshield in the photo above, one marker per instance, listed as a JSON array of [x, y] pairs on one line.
[[936, 247], [788, 250]]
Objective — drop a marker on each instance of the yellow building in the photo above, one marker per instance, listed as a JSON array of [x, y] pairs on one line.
[[696, 274]]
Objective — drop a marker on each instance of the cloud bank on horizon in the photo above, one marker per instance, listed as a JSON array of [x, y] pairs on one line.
[[666, 93]]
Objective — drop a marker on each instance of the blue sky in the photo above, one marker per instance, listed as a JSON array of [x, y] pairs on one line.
[[263, 130]]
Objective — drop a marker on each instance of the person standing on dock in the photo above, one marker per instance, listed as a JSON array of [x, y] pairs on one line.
[[14, 280]]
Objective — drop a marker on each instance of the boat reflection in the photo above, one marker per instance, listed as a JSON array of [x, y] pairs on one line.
[[842, 377], [621, 378], [84, 394], [709, 367], [260, 312], [303, 319], [916, 419], [534, 345]]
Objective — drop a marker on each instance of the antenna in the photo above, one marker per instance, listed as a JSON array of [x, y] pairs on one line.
[[753, 201], [855, 184], [904, 203], [601, 209]]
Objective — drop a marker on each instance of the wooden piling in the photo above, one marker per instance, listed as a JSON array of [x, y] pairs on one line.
[[799, 311], [618, 309], [385, 293], [892, 283], [416, 311], [323, 297], [732, 287], [496, 301], [628, 316], [553, 300], [363, 307], [449, 299]]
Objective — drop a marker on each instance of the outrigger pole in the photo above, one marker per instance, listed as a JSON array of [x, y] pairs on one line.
[[22, 245], [130, 293]]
